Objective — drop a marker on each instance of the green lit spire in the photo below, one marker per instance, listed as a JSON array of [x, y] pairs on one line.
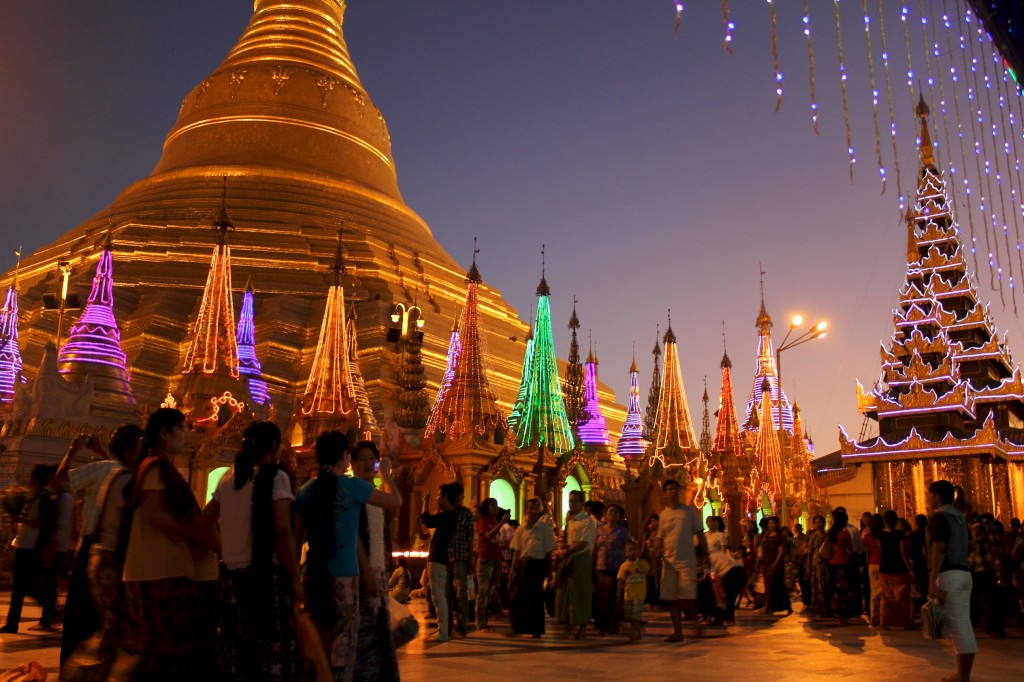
[[540, 409]]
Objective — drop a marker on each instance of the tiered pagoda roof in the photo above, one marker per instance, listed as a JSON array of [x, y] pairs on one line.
[[367, 419], [467, 406], [94, 343], [948, 386], [766, 377], [802, 489]]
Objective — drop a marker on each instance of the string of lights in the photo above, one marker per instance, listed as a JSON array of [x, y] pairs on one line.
[[874, 93]]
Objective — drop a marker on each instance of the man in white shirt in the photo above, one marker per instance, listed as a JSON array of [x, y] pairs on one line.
[[576, 583], [532, 544], [678, 523]]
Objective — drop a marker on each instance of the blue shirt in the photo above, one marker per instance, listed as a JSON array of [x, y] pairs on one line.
[[350, 496]]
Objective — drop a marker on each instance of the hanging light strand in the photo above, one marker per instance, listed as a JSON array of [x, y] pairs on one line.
[[810, 61], [775, 55], [905, 18], [729, 26], [933, 41], [995, 262], [955, 78], [1000, 189], [874, 93], [679, 17], [842, 84], [888, 95]]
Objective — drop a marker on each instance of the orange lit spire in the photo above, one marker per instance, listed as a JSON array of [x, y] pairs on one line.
[[330, 396], [926, 149], [469, 406], [674, 439], [213, 347], [768, 457]]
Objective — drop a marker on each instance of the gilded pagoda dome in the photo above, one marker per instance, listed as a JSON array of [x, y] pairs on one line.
[[285, 134]]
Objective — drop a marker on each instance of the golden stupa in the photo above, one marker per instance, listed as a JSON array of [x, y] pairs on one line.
[[286, 120]]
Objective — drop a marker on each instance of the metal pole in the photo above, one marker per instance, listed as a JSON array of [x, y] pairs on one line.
[[784, 516]]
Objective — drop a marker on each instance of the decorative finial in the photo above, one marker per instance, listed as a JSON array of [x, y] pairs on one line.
[[474, 275], [670, 336], [17, 265], [704, 399], [763, 318], [574, 320], [223, 222], [927, 151], [543, 289], [248, 284], [657, 340]]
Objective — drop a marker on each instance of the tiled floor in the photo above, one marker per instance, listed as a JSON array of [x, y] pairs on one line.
[[758, 649]]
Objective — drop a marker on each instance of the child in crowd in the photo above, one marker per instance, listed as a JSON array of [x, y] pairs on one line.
[[633, 587]]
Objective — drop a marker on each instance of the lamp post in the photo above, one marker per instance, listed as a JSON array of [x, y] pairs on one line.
[[405, 315], [62, 302], [816, 331]]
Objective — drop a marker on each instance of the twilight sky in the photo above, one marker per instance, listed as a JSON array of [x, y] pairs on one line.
[[655, 169]]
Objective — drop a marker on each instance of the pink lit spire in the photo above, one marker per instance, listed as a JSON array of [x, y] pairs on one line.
[[96, 338], [594, 431], [245, 337], [10, 353]]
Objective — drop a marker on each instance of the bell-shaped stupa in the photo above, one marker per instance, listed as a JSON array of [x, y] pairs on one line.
[[287, 121]]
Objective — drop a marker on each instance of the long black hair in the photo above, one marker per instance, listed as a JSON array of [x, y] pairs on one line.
[[839, 521], [330, 447], [259, 438]]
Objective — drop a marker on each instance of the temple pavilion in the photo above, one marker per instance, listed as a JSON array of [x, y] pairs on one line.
[[950, 399]]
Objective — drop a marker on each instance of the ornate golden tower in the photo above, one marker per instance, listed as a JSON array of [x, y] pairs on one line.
[[286, 120]]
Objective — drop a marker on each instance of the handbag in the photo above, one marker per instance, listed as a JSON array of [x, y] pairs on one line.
[[932, 619], [825, 551], [404, 625]]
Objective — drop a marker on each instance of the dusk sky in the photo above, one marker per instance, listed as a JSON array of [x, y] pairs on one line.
[[655, 168]]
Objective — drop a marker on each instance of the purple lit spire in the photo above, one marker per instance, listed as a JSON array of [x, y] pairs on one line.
[[94, 344], [595, 430], [10, 353], [631, 442], [248, 363]]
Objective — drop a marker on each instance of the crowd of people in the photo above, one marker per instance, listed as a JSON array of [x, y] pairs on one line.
[[592, 573], [272, 580], [268, 582]]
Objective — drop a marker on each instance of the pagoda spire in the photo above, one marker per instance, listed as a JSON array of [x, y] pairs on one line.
[[329, 399], [10, 351], [214, 347], [367, 419], [468, 406], [765, 372], [654, 392], [674, 440], [514, 417], [542, 421], [574, 388], [728, 438], [926, 149], [705, 430], [248, 363], [767, 475], [94, 343], [631, 442], [594, 431]]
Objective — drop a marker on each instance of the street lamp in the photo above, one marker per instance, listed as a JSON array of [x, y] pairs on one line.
[[816, 331], [62, 302], [411, 315]]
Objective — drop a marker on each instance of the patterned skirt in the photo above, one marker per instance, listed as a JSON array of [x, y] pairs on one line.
[[335, 611], [375, 649], [256, 623]]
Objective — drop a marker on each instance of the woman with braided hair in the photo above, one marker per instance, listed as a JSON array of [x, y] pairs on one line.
[[260, 586]]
